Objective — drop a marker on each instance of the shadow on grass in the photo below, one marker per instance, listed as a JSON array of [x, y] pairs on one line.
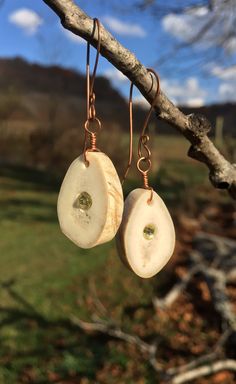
[[46, 350], [28, 210], [37, 208], [173, 182], [27, 195], [39, 180]]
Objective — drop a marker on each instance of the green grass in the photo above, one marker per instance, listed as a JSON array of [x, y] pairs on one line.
[[33, 250]]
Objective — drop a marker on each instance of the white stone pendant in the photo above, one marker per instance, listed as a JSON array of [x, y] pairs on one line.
[[146, 238], [90, 203]]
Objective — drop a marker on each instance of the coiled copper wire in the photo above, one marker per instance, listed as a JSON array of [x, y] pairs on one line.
[[91, 110], [144, 173], [92, 136]]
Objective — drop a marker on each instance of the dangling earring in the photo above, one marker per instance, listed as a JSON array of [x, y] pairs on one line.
[[90, 202], [146, 238]]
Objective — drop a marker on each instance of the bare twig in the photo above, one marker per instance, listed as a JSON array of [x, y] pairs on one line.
[[208, 369], [216, 282], [210, 262], [107, 329], [214, 267], [203, 359], [176, 290], [100, 307], [193, 127]]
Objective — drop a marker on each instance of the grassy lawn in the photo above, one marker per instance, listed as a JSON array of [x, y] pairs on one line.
[[34, 253], [45, 278]]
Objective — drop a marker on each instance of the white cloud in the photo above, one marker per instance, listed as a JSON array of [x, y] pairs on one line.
[[195, 102], [194, 21], [176, 25], [224, 73], [185, 93], [227, 88], [198, 11], [71, 36], [183, 27], [124, 28], [26, 19], [227, 91], [115, 75]]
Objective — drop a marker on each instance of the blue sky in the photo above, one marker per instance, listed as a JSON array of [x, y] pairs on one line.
[[31, 30]]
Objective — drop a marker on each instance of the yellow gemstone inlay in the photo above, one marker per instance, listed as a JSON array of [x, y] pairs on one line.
[[83, 201], [149, 231]]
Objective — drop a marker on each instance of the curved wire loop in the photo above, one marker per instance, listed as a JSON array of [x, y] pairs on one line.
[[130, 133], [144, 152], [91, 110]]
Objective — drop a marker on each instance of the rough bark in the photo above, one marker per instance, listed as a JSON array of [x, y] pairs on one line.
[[194, 127]]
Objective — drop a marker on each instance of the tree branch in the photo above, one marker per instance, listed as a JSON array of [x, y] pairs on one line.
[[116, 332], [174, 293], [193, 127], [112, 331], [205, 370]]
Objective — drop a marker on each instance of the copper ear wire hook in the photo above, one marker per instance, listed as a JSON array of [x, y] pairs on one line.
[[150, 70], [91, 111], [130, 133], [97, 22], [143, 140]]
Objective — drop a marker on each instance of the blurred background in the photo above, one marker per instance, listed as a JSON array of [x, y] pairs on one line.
[[50, 287]]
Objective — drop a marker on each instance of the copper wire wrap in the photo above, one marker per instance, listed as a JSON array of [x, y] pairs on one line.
[[89, 134], [92, 136], [144, 153]]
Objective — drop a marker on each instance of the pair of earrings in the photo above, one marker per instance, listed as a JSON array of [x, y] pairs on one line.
[[91, 208]]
